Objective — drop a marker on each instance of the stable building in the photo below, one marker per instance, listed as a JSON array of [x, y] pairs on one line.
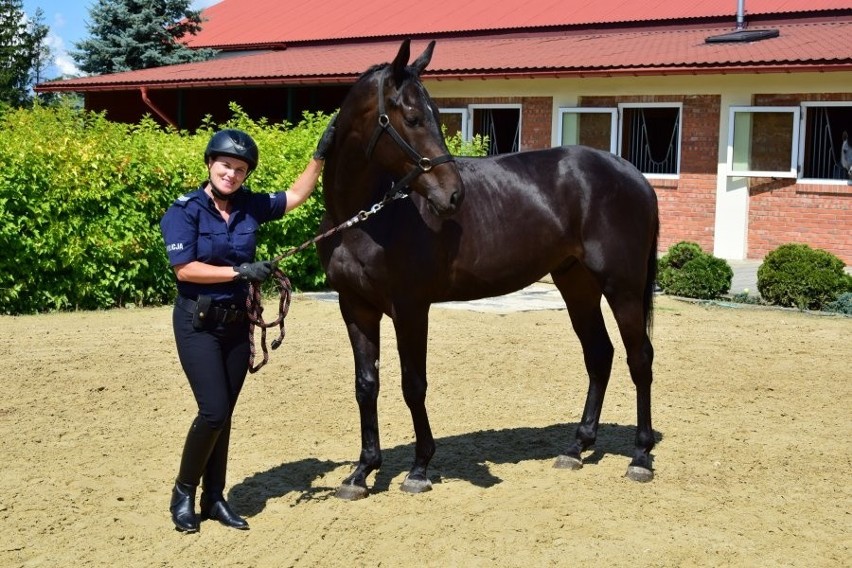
[[734, 110]]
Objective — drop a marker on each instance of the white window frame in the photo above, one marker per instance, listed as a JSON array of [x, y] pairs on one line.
[[803, 132], [794, 111], [465, 119], [613, 127], [679, 107]]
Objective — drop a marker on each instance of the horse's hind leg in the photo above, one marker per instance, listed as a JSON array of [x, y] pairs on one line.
[[362, 325], [582, 297], [631, 318]]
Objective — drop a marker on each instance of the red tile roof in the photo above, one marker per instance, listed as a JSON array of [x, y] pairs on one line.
[[243, 23], [806, 46]]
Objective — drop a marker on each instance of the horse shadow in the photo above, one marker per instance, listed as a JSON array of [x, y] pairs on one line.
[[464, 457]]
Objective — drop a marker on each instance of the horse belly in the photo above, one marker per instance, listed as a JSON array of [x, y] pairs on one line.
[[493, 265]]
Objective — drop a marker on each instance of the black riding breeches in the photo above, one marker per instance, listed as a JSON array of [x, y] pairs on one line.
[[215, 361]]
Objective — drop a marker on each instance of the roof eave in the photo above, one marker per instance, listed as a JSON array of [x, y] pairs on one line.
[[776, 67]]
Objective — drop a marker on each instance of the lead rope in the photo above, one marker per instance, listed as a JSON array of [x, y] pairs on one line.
[[254, 310], [254, 304]]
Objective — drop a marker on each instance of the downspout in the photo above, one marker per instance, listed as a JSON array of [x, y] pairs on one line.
[[152, 106], [741, 14]]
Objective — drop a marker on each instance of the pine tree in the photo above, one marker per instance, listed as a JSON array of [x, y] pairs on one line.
[[40, 52], [16, 53], [127, 35]]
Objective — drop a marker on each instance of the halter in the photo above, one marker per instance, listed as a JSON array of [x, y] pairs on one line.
[[423, 163]]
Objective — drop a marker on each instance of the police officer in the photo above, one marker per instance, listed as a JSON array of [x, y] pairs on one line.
[[210, 238]]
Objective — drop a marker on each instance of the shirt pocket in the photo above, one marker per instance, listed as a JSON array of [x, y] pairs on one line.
[[213, 244], [245, 239]]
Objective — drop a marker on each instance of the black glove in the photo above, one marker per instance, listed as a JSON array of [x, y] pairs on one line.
[[325, 139], [254, 271]]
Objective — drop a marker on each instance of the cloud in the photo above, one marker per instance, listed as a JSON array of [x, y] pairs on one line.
[[62, 60]]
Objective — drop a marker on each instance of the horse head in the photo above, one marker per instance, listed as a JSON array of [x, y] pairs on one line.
[[389, 119], [846, 155]]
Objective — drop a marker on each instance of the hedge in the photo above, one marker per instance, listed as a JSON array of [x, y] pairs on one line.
[[81, 200]]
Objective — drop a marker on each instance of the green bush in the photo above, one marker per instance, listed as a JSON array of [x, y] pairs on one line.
[[686, 270], [842, 305], [81, 200], [796, 275], [674, 259]]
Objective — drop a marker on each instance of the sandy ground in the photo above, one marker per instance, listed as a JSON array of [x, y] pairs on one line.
[[752, 407]]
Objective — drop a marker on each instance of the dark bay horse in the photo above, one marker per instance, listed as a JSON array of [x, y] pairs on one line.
[[474, 228]]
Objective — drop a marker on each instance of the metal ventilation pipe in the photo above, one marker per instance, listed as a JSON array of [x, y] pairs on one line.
[[740, 14]]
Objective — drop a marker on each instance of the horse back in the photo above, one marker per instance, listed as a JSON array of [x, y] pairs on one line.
[[567, 197]]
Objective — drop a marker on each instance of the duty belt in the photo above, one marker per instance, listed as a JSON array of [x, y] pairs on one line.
[[216, 313]]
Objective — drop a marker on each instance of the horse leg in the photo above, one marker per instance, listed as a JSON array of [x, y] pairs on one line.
[[582, 297], [411, 335], [363, 326], [632, 325]]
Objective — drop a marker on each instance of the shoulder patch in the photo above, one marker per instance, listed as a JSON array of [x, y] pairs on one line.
[[183, 200]]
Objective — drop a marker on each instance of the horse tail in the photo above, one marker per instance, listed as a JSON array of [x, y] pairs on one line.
[[651, 278]]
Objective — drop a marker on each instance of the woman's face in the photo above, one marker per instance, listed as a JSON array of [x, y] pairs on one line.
[[227, 174]]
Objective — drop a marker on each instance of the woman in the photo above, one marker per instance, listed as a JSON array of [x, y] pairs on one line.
[[210, 237]]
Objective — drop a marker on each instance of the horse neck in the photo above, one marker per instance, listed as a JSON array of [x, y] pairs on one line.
[[351, 184]]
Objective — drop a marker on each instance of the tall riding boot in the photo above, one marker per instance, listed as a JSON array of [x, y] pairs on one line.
[[213, 504], [196, 452]]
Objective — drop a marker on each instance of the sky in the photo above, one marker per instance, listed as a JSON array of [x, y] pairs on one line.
[[67, 22]]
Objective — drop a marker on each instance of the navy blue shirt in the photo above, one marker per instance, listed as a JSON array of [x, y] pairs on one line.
[[193, 229]]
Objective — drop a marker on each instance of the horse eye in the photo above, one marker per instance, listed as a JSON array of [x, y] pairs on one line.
[[412, 119]]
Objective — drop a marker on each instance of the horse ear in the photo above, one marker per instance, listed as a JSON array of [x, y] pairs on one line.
[[401, 60], [421, 62]]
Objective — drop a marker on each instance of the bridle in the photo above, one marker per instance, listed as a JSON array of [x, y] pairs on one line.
[[422, 163]]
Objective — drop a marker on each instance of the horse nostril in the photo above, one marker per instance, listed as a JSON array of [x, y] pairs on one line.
[[455, 199]]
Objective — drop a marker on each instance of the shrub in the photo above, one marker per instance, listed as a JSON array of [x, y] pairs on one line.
[[674, 260], [796, 275], [688, 271], [842, 305], [81, 199]]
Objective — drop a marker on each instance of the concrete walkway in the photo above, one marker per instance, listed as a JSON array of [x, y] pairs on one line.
[[544, 295], [745, 276]]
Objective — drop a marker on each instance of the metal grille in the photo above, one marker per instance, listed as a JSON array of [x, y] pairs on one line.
[[652, 153], [487, 120], [822, 158]]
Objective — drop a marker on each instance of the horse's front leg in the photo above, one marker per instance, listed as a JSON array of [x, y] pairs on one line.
[[363, 326], [412, 328]]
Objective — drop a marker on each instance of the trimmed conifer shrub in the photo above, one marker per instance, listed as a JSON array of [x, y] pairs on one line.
[[796, 275]]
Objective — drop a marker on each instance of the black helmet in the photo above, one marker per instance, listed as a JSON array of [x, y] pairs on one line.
[[234, 143]]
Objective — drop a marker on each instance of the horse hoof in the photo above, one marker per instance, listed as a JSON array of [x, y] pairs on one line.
[[351, 492], [568, 462], [416, 485], [639, 474]]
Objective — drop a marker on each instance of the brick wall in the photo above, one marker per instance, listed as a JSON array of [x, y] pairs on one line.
[[687, 204], [784, 211], [535, 116], [779, 211]]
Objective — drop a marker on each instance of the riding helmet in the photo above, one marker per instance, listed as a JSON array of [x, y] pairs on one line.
[[233, 143]]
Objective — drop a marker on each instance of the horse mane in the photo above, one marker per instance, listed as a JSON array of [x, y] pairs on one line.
[[372, 70]]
